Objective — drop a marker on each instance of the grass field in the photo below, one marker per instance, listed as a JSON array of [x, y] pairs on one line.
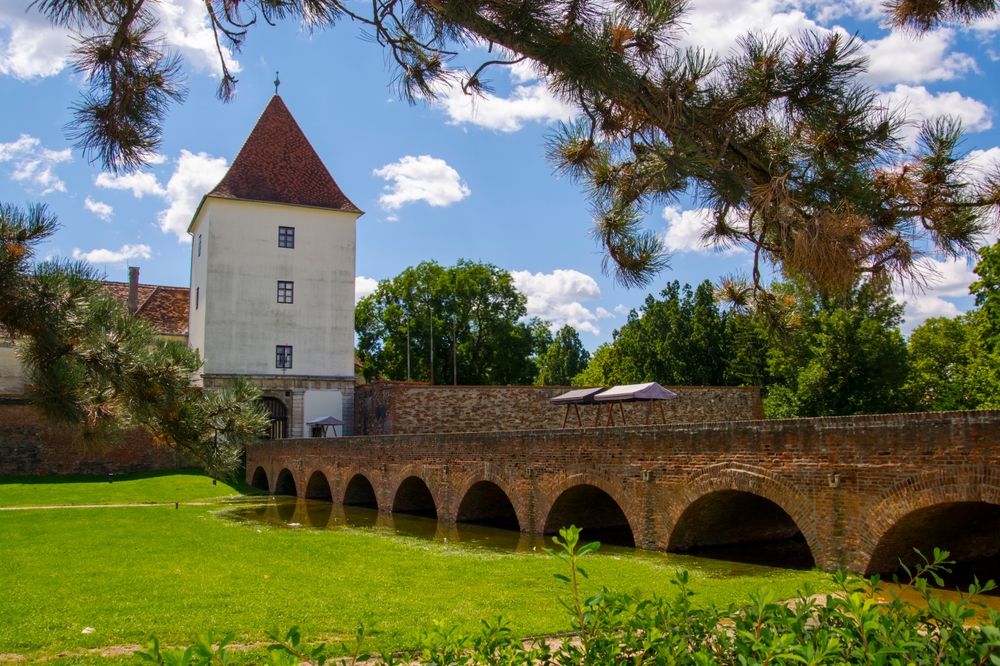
[[129, 572]]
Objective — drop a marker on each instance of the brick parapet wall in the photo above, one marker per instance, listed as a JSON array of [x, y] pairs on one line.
[[31, 447], [844, 481], [383, 408]]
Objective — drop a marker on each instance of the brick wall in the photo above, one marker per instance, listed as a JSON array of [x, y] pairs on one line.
[[383, 408], [29, 446]]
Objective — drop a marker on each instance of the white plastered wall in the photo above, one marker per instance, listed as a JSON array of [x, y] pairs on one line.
[[317, 404], [241, 320], [11, 373]]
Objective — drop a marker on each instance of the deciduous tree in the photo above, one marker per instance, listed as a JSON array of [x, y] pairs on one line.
[[563, 359], [460, 324]]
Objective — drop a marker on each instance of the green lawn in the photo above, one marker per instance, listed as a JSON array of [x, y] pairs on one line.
[[134, 571], [143, 488]]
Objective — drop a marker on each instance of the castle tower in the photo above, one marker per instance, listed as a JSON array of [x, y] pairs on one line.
[[272, 278]]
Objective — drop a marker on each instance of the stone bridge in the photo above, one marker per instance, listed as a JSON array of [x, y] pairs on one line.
[[859, 492]]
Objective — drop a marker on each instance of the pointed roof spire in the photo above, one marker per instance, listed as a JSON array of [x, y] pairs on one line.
[[278, 164]]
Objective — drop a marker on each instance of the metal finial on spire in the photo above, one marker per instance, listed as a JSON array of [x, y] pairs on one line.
[[277, 82]]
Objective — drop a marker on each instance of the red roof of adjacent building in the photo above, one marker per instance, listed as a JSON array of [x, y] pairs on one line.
[[166, 308], [278, 164]]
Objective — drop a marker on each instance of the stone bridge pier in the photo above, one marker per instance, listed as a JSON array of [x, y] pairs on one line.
[[858, 493]]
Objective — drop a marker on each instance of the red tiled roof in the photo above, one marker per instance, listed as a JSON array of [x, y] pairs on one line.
[[166, 308], [278, 164]]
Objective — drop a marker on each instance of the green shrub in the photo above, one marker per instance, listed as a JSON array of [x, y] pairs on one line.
[[851, 626]]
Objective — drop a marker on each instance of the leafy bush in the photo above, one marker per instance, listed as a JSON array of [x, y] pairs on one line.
[[851, 626]]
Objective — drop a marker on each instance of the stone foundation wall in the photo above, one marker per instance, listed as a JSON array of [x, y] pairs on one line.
[[386, 408], [31, 447]]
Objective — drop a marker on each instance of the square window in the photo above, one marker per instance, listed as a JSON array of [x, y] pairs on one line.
[[286, 236], [286, 291], [283, 356]]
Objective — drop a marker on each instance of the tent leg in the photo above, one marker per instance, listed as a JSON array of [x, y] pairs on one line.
[[621, 408], [565, 416], [579, 421], [662, 415]]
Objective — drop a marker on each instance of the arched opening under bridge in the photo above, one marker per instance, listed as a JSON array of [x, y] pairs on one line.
[[360, 492], [318, 487], [596, 513], [969, 531], [739, 526], [285, 484], [414, 498], [487, 504], [259, 480]]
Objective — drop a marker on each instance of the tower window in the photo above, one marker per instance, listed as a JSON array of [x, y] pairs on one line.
[[283, 356], [199, 245], [286, 291], [286, 236], [197, 297]]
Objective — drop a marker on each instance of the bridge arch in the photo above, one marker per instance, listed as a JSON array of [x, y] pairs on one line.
[[318, 487], [734, 503], [586, 503], [486, 502], [955, 510], [359, 491], [414, 497], [259, 480], [285, 485]]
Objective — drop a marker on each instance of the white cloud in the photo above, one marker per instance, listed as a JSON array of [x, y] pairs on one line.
[[717, 24], [196, 174], [140, 183], [685, 229], [363, 286], [102, 256], [422, 178], [193, 176], [900, 57], [920, 104], [947, 278], [34, 164], [556, 297], [33, 48], [530, 101], [99, 208]]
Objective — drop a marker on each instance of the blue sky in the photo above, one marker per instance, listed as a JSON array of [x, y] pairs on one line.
[[439, 180]]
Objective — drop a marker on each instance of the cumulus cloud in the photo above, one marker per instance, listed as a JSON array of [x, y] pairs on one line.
[[530, 101], [900, 57], [102, 256], [422, 178], [946, 278], [556, 298], [363, 286], [31, 48], [34, 164], [685, 229], [194, 175], [99, 208], [920, 104], [139, 183]]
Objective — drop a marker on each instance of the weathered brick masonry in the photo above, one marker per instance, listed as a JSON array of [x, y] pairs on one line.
[[386, 408], [845, 481], [30, 446]]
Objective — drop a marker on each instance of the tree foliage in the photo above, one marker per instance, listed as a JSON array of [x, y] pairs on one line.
[[795, 156], [679, 338], [467, 318], [563, 359], [91, 363]]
